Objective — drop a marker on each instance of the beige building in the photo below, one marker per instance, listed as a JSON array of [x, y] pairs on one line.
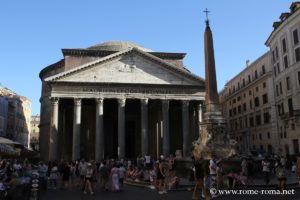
[[262, 103], [15, 115], [34, 132], [248, 103], [284, 43]]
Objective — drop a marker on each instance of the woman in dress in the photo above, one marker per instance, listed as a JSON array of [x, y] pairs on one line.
[[115, 177]]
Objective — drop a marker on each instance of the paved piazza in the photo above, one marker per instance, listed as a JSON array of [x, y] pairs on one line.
[[138, 193]]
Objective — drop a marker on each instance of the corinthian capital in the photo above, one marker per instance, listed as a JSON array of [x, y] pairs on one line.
[[185, 103], [54, 100], [99, 100], [144, 101], [77, 102], [122, 102]]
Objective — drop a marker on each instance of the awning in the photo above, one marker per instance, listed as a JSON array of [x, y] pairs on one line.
[[8, 141], [6, 149]]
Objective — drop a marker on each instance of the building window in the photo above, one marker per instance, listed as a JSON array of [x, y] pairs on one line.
[[258, 120], [295, 36], [245, 107], [249, 79], [230, 113], [244, 82], [286, 64], [269, 136], [238, 98], [293, 126], [273, 56], [288, 83], [299, 78], [266, 118], [251, 121], [260, 136], [280, 87], [264, 84], [282, 108], [291, 107], [234, 111], [256, 89], [275, 71], [263, 69], [241, 123], [278, 68], [296, 146], [265, 98], [250, 103], [276, 51], [239, 109], [250, 92], [297, 54], [277, 91], [284, 134], [255, 74], [279, 109], [256, 101], [283, 45]]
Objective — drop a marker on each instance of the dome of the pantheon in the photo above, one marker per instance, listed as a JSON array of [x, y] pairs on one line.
[[117, 46]]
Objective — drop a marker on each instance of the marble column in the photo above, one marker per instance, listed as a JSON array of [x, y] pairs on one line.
[[121, 128], [144, 127], [186, 143], [53, 140], [76, 130], [200, 112], [99, 139], [166, 130]]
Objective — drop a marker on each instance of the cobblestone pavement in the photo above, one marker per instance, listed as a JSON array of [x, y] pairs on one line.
[[138, 193]]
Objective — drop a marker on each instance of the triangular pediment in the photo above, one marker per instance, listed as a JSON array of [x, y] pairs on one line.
[[131, 66]]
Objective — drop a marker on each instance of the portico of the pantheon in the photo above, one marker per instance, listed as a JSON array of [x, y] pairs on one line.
[[118, 100]]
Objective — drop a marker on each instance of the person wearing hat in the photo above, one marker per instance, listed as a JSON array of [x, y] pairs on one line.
[[89, 179]]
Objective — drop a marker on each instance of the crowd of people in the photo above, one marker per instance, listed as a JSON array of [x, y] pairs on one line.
[[209, 174], [108, 174]]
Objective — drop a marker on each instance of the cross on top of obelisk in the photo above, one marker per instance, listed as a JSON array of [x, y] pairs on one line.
[[206, 13]]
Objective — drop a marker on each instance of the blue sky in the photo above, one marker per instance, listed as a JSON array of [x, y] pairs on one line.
[[33, 32]]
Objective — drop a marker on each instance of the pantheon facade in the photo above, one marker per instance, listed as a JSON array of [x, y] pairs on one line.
[[118, 100]]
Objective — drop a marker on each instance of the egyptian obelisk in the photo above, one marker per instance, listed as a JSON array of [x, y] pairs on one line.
[[212, 107], [213, 137]]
